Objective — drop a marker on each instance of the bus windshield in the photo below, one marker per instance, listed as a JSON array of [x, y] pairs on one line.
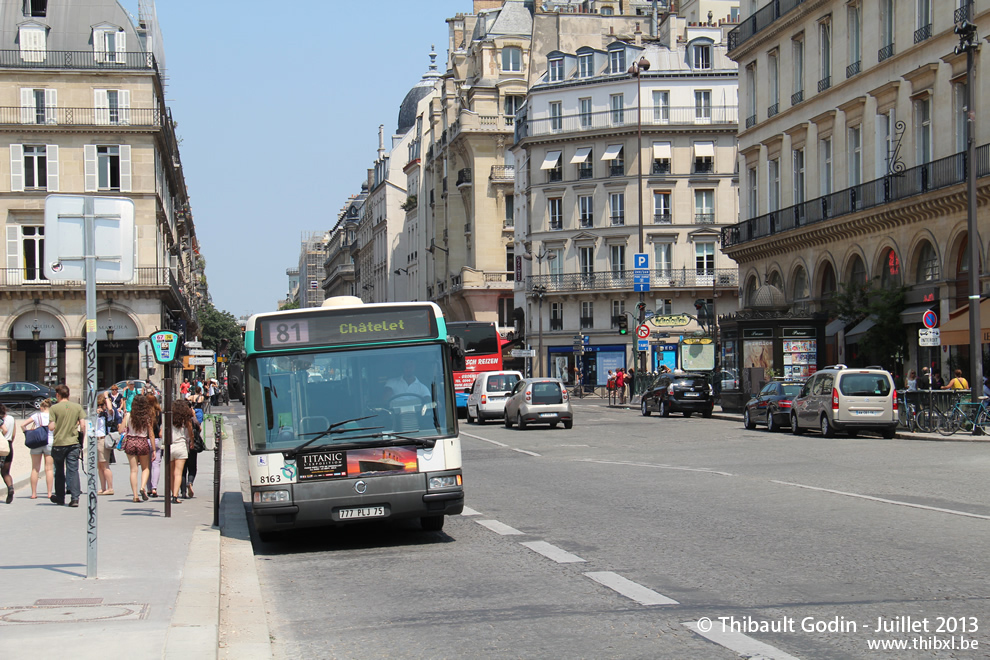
[[304, 398]]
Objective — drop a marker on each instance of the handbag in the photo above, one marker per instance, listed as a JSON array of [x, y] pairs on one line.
[[111, 439], [198, 444], [36, 438]]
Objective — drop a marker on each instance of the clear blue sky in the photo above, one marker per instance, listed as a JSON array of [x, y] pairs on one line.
[[278, 106]]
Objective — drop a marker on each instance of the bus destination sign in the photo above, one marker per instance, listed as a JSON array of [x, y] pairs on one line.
[[353, 326]]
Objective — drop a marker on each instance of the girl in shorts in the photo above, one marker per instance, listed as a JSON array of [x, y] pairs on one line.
[[39, 420], [138, 444]]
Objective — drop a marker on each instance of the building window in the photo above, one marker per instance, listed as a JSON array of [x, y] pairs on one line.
[[617, 165], [510, 264], [112, 106], [38, 106], [33, 40], [665, 306], [511, 58], [797, 53], [661, 106], [586, 210], [35, 167], [617, 102], [556, 116], [587, 315], [923, 110], [702, 56], [661, 208], [617, 208], [704, 258], [704, 207], [773, 175], [510, 212], [800, 290], [556, 173], [617, 61], [853, 32], [928, 270], [585, 105], [556, 316], [754, 192], [617, 259], [703, 105], [556, 264], [586, 260], [586, 65], [751, 95], [825, 54], [662, 257], [512, 104], [854, 148], [924, 30], [555, 213], [798, 163], [886, 30], [825, 168], [109, 45], [31, 241], [586, 167], [35, 7], [107, 167], [618, 309], [555, 68], [773, 80]]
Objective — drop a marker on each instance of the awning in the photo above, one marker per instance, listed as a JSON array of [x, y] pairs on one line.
[[612, 152], [955, 331], [914, 314], [833, 328], [550, 161], [704, 149], [853, 335], [661, 151], [580, 155]]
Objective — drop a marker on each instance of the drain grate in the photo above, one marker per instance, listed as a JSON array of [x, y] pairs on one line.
[[53, 602], [72, 610]]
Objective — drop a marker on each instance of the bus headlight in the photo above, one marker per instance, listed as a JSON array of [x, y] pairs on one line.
[[271, 496], [449, 481]]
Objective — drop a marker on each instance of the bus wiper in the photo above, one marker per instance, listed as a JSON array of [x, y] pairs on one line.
[[426, 443], [333, 429]]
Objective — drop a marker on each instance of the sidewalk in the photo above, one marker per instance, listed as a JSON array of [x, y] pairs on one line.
[[158, 587]]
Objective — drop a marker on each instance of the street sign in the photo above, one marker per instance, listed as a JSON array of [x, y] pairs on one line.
[[164, 344], [670, 320], [193, 344], [643, 331], [641, 260], [930, 319], [200, 361], [66, 218], [642, 344], [641, 272], [202, 352], [929, 336], [523, 353]]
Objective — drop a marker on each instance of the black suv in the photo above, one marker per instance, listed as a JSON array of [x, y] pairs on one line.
[[679, 392]]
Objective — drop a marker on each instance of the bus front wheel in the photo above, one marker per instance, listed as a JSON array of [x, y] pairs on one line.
[[432, 523]]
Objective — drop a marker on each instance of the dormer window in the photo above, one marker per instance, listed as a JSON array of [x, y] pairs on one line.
[[702, 56], [555, 69], [511, 59], [586, 65], [109, 44], [617, 61], [35, 7], [33, 40]]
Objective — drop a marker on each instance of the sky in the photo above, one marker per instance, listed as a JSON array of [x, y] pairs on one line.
[[277, 117]]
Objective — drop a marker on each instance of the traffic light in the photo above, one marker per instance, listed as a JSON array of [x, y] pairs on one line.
[[622, 322]]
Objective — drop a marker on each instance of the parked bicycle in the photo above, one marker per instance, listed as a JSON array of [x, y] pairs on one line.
[[962, 415]]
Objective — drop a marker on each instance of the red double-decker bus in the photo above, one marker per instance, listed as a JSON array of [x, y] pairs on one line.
[[482, 352]]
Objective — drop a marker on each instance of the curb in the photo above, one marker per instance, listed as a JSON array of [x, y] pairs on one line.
[[194, 630]]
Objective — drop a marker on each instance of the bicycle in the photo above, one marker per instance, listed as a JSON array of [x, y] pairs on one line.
[[912, 417], [958, 417]]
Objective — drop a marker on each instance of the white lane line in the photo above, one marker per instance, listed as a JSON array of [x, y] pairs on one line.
[[744, 645], [498, 528], [630, 589], [552, 552], [478, 437], [523, 451], [885, 501], [468, 511], [657, 465]]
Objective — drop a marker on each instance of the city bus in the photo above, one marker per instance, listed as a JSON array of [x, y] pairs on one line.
[[351, 416], [482, 347]]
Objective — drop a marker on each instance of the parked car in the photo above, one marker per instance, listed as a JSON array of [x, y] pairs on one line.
[[687, 393], [539, 401], [772, 405], [489, 393], [23, 393], [729, 379], [838, 398]]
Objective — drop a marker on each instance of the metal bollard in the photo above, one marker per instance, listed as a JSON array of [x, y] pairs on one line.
[[217, 462]]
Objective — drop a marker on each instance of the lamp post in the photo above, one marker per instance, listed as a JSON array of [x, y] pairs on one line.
[[36, 329], [110, 330], [539, 291], [636, 70], [395, 287]]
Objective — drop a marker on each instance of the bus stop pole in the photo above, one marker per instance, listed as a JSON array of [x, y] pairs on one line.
[[167, 440]]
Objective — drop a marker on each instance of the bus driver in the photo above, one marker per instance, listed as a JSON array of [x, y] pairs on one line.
[[407, 383]]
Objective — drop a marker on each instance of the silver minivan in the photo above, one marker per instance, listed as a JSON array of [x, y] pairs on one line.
[[838, 398], [488, 395]]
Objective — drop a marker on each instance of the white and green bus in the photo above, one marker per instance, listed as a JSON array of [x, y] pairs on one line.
[[351, 416]]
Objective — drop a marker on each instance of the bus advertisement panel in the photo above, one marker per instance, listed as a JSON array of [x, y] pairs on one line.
[[482, 347], [351, 415]]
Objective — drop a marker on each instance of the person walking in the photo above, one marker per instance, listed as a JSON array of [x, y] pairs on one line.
[[181, 447], [41, 455], [631, 382], [620, 385], [68, 423], [105, 422], [138, 444], [958, 382], [925, 381], [156, 460], [184, 388], [8, 427], [610, 387], [192, 461]]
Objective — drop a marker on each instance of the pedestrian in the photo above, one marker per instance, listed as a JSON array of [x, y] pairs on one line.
[[8, 427], [196, 401], [957, 383], [610, 386], [181, 447], [117, 401], [157, 448], [105, 424], [68, 422], [986, 386], [41, 455], [937, 382], [192, 462], [138, 444], [912, 381], [620, 385], [128, 394], [925, 381], [184, 388], [631, 382], [212, 392]]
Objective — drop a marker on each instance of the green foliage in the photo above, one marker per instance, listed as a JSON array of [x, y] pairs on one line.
[[290, 304], [215, 325], [886, 341]]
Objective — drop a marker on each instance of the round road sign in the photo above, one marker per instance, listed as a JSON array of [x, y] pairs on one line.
[[930, 319], [643, 332]]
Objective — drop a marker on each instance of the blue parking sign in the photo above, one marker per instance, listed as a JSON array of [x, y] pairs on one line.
[[641, 260]]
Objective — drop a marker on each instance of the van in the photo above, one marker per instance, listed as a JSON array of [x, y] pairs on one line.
[[838, 398], [488, 395]]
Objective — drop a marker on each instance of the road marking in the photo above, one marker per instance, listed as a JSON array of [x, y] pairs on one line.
[[630, 589], [745, 646], [497, 527], [656, 465], [551, 551], [885, 501], [523, 451], [573, 445], [478, 437], [468, 511]]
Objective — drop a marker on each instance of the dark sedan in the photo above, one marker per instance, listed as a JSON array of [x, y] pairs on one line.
[[686, 393], [772, 406], [23, 393]]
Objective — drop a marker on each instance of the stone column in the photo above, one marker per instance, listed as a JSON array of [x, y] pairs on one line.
[[5, 361]]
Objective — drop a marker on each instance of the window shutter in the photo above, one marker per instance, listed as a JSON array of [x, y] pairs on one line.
[[125, 168], [90, 181], [99, 45], [27, 105], [101, 104], [51, 103], [121, 49], [52, 159], [13, 246], [124, 105], [16, 168]]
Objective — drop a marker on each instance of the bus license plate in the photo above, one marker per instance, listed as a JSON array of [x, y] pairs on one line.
[[362, 512]]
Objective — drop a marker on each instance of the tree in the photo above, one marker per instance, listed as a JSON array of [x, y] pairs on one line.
[[886, 341], [215, 325]]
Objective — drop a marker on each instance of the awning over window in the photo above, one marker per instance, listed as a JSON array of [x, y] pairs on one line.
[[612, 152], [661, 150], [914, 314], [704, 149], [853, 335], [550, 161], [581, 155], [833, 327], [955, 331]]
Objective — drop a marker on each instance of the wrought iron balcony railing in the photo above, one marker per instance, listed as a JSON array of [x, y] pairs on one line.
[[30, 115], [853, 69], [760, 21], [82, 59], [751, 121], [464, 177], [623, 280], [797, 97], [964, 13], [662, 219], [694, 115], [773, 109], [503, 173], [885, 52], [824, 83], [704, 218], [922, 33]]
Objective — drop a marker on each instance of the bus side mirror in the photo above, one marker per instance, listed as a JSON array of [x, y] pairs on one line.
[[456, 353]]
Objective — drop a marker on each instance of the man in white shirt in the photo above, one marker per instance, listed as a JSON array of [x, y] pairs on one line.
[[407, 383]]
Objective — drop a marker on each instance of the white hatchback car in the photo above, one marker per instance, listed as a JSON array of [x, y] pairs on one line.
[[488, 395]]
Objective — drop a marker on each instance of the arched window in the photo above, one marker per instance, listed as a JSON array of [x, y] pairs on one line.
[[828, 281], [890, 269], [774, 280], [857, 271], [928, 269], [750, 291], [800, 290]]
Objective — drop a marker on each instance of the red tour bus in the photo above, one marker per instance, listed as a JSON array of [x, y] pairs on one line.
[[482, 352]]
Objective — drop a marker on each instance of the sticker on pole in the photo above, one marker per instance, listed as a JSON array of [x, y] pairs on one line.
[[930, 319], [165, 345]]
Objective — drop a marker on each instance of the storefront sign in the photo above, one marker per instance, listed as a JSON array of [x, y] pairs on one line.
[[798, 333], [758, 333], [669, 320]]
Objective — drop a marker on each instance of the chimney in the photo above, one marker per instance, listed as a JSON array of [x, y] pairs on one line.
[[638, 34], [381, 141]]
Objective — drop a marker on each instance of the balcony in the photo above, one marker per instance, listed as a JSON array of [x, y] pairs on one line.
[[556, 324], [964, 13], [662, 219], [464, 177], [922, 33], [773, 110], [751, 121], [853, 69], [797, 97], [586, 171], [684, 278], [912, 182], [824, 84], [885, 52], [503, 174], [83, 59], [760, 21], [618, 220], [616, 170], [661, 166], [725, 116], [555, 175], [704, 218], [29, 116]]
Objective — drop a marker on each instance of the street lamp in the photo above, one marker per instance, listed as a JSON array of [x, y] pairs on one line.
[[539, 291], [395, 285], [36, 329], [109, 319], [636, 70]]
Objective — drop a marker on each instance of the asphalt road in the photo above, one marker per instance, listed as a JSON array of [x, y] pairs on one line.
[[624, 536]]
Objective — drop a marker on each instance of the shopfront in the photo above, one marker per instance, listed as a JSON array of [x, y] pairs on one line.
[[594, 365]]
